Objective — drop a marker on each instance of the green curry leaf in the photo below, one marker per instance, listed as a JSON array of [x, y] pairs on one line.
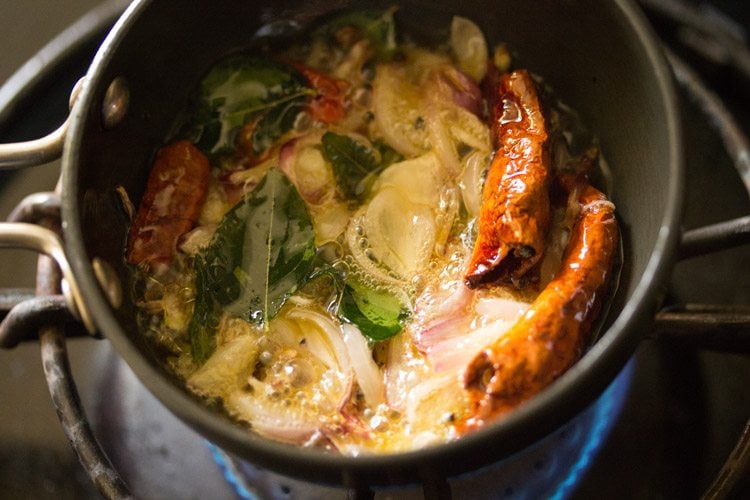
[[242, 89], [261, 253], [204, 320], [377, 26], [378, 313], [388, 155], [354, 164]]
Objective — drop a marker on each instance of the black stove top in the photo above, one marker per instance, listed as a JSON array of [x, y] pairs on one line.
[[683, 415]]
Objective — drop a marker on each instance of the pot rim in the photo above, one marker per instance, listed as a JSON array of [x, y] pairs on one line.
[[580, 384]]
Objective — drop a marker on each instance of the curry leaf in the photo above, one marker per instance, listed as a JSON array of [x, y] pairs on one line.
[[243, 89], [352, 162], [388, 155], [204, 320], [377, 26], [378, 313], [261, 253]]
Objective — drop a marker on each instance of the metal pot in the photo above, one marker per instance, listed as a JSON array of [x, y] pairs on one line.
[[600, 57]]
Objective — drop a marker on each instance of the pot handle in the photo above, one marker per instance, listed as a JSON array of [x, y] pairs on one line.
[[38, 151], [24, 312], [22, 235]]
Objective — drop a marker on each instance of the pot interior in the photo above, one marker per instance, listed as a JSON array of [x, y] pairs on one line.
[[597, 56]]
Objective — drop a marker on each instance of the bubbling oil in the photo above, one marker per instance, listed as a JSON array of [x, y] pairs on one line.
[[293, 380]]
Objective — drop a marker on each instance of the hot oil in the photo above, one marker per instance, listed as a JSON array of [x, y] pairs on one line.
[[424, 399]]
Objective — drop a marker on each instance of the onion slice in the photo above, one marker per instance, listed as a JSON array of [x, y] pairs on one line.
[[469, 47], [369, 378], [461, 326], [273, 421]]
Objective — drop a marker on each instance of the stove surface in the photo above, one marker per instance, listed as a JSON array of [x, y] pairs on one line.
[[680, 421]]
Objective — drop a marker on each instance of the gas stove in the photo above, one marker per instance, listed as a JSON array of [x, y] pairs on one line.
[[680, 408]]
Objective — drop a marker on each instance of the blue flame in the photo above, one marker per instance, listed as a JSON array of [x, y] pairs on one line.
[[608, 408], [231, 474]]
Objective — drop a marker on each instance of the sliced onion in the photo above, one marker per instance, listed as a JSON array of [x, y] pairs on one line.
[[419, 179], [452, 299], [330, 221], [369, 378], [427, 91], [287, 411], [271, 420], [456, 331], [286, 157], [458, 346], [404, 369], [397, 108], [360, 259], [461, 89], [451, 127], [322, 337], [400, 234], [248, 178], [395, 375], [501, 308], [429, 403], [474, 165], [441, 139], [313, 176], [303, 163], [448, 324], [426, 389], [469, 47], [469, 130], [440, 331]]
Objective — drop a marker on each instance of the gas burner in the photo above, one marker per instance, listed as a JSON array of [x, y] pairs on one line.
[[664, 428], [551, 468]]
